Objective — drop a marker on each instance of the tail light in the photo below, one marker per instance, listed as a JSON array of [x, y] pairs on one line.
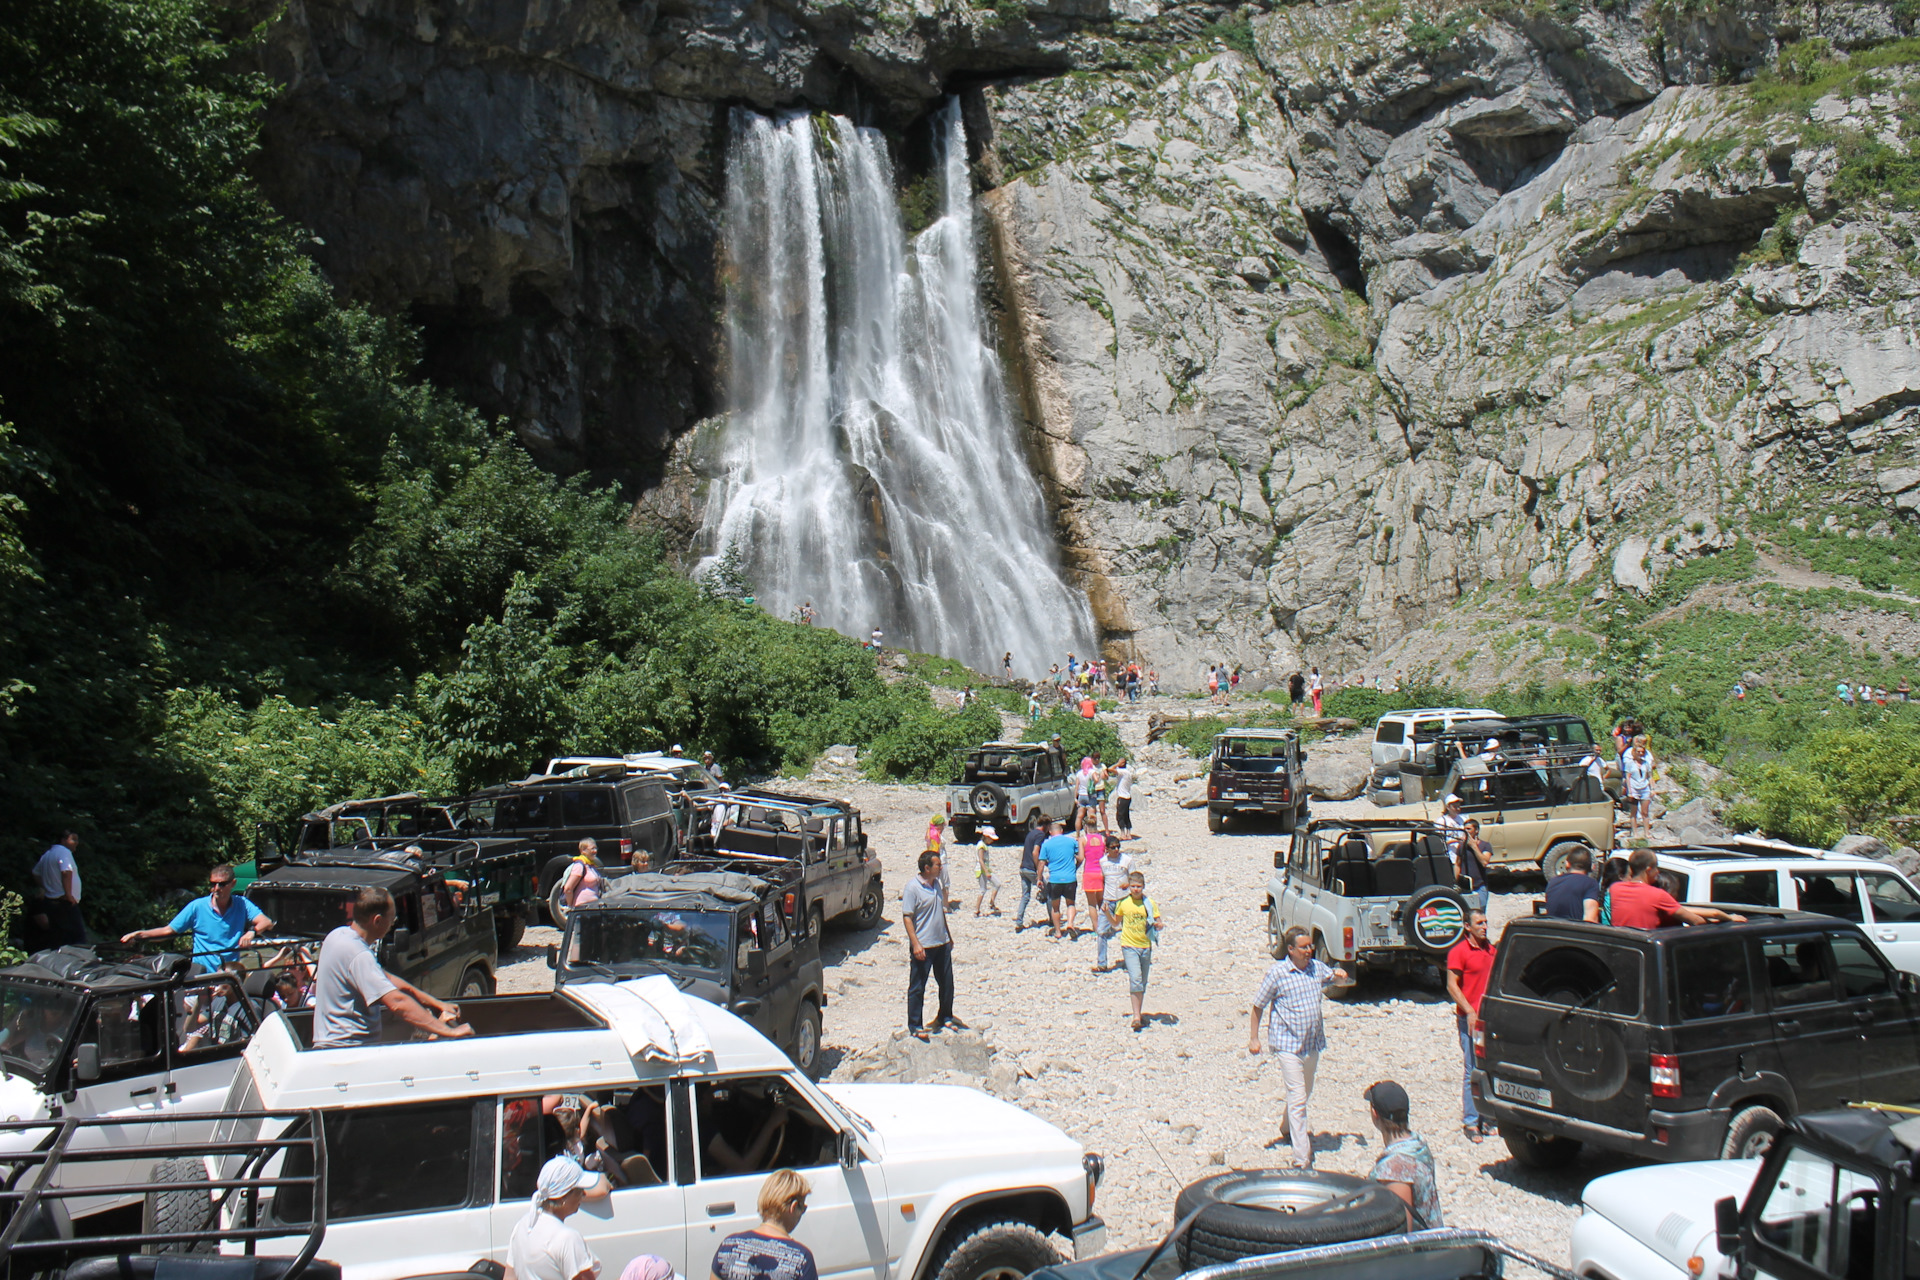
[[626, 850], [786, 906], [1479, 1038], [1346, 942], [1284, 794], [1213, 791], [949, 808], [1663, 1071]]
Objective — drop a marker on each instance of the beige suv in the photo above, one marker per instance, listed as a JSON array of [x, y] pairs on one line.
[[1533, 807]]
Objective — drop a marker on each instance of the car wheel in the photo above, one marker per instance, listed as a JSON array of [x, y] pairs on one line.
[[806, 1039], [187, 1205], [1287, 822], [963, 830], [1257, 1211], [1554, 861], [989, 1250], [872, 901], [986, 799], [510, 927], [1538, 1150], [1751, 1133], [819, 921], [557, 904], [1216, 821], [476, 983]]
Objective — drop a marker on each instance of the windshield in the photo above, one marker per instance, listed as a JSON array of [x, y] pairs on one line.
[[681, 939], [35, 1022], [303, 913]]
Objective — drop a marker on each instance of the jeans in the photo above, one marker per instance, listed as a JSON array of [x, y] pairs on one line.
[[1103, 932], [1296, 1070], [1123, 813], [939, 963], [1026, 895], [1469, 1114], [1139, 967]]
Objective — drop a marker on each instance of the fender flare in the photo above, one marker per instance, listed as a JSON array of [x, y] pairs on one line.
[[1765, 1087], [957, 1200]]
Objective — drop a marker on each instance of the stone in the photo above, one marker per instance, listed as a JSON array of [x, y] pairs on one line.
[[1906, 859], [1697, 821], [1862, 846], [1335, 777]]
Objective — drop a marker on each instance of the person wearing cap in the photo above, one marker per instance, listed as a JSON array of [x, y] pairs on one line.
[[543, 1246], [1291, 993], [1405, 1166], [1452, 825], [769, 1251], [711, 768], [677, 752]]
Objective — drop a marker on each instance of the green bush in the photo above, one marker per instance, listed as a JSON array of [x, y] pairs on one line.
[[928, 744], [1839, 778], [1079, 737]]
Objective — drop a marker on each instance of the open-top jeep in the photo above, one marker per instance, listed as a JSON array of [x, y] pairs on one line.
[[433, 1147], [736, 940], [141, 1038], [1006, 785], [1378, 893], [1536, 801], [1256, 771], [443, 939], [820, 835]]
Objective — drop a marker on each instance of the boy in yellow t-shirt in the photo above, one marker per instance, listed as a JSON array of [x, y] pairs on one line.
[[1136, 915]]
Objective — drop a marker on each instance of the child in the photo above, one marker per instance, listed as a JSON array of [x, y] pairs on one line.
[[1140, 926]]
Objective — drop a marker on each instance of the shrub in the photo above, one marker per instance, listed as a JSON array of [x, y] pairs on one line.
[[1079, 737], [930, 745]]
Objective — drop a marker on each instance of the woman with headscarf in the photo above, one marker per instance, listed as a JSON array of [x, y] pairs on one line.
[[650, 1266], [543, 1246]]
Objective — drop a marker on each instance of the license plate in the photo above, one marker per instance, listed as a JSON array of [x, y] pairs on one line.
[[490, 899], [1238, 795], [1523, 1093]]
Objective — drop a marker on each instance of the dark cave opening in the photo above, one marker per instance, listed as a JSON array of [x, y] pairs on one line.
[[1343, 258]]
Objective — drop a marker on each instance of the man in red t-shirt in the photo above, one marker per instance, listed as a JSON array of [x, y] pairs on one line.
[[1469, 965], [1638, 903]]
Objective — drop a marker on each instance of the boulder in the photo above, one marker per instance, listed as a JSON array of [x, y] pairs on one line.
[[1860, 846], [1336, 777], [1697, 822], [1905, 860], [906, 1060]]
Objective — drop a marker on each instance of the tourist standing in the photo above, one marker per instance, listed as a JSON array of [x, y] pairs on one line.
[[989, 895], [1140, 925], [769, 1251], [1290, 997], [1093, 851], [1315, 688], [936, 842], [1006, 666], [1029, 871], [543, 1246], [1637, 772], [1296, 692], [1405, 1166], [712, 768], [58, 876], [1083, 810], [1574, 894], [1452, 825], [923, 910], [1123, 797], [583, 882], [1636, 902], [1473, 858], [221, 923], [1469, 965], [1060, 854], [1115, 870]]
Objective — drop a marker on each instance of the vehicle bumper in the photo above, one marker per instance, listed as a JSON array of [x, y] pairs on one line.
[[1690, 1135], [1090, 1237], [1255, 805]]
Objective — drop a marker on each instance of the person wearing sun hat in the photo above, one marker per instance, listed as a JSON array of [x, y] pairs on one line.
[[1452, 825], [1405, 1166], [543, 1246]]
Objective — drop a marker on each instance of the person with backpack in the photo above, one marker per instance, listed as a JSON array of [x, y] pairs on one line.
[[1140, 924]]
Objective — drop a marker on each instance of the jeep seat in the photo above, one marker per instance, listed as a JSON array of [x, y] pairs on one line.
[[1394, 877], [194, 1267]]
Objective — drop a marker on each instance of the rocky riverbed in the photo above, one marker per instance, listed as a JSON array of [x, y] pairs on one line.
[[1182, 1096]]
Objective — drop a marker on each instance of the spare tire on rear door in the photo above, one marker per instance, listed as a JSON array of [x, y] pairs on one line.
[[1256, 1211], [986, 799], [1435, 920]]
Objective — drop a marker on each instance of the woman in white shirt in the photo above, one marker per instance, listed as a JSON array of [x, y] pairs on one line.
[[543, 1246]]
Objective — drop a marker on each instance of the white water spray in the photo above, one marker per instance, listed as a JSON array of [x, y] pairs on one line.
[[871, 463]]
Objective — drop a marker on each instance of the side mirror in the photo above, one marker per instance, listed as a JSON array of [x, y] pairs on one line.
[[1726, 1225], [399, 940], [553, 955], [1907, 984], [1303, 755], [1279, 857], [849, 1150], [86, 1063]]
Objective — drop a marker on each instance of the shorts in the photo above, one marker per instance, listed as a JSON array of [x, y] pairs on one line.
[[1060, 892], [1139, 961]]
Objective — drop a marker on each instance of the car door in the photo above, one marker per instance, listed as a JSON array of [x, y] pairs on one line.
[[1828, 892], [129, 1032], [1892, 917], [1725, 1034], [1887, 1054], [1813, 1030], [1525, 816], [212, 1022], [645, 1215], [768, 978], [1743, 886], [446, 943], [1295, 904], [738, 1140]]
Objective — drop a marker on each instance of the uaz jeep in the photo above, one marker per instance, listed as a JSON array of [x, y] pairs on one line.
[[1006, 785], [840, 878], [1256, 771]]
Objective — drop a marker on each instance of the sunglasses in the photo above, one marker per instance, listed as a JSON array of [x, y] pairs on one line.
[[219, 884]]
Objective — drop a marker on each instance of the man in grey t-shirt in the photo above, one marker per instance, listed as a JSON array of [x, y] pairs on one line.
[[350, 988], [923, 909]]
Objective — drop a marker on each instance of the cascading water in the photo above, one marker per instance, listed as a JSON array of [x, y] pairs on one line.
[[871, 464]]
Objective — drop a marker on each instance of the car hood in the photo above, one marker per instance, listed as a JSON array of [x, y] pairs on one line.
[[1669, 1207], [913, 1119], [20, 1099]]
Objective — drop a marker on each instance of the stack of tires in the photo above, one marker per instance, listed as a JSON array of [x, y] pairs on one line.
[[1255, 1211]]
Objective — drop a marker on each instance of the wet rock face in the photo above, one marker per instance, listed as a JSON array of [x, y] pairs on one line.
[[1313, 335]]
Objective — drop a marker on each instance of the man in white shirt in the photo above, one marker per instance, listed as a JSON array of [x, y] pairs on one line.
[[350, 988], [59, 878], [543, 1246], [1123, 798]]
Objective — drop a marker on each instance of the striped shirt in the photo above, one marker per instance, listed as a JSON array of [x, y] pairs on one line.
[[1292, 997]]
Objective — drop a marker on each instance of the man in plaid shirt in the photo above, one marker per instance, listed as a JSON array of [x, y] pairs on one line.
[[1290, 995]]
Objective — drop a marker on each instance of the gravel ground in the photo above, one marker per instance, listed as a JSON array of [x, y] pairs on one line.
[[1182, 1096]]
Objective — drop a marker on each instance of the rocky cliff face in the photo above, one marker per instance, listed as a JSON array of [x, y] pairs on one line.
[[1320, 322]]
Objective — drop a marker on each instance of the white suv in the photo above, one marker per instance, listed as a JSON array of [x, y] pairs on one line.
[[1393, 742], [432, 1148], [1771, 873]]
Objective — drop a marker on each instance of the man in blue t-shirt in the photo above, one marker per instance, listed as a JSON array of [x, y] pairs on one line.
[[1061, 854], [221, 923]]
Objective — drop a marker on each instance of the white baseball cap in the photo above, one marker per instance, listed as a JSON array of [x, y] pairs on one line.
[[561, 1175]]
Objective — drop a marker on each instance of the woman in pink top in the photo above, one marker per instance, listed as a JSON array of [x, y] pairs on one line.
[[583, 881]]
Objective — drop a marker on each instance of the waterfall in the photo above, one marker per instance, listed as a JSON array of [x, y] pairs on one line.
[[870, 463]]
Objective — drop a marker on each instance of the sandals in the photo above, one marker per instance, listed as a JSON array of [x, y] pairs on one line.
[[1472, 1134]]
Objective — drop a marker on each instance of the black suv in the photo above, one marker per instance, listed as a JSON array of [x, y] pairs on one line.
[[498, 872], [1687, 1043], [741, 941], [443, 938], [622, 813]]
